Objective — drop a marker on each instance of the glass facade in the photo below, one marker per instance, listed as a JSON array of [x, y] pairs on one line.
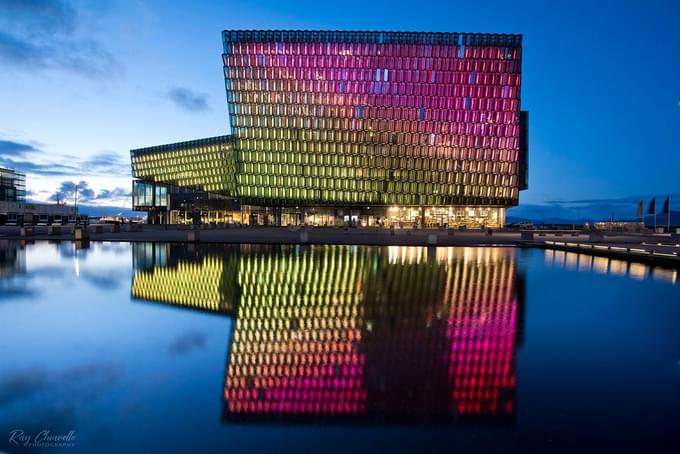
[[374, 117], [356, 119], [147, 194], [206, 164], [12, 185]]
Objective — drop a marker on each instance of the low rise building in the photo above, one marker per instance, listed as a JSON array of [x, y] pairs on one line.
[[15, 210]]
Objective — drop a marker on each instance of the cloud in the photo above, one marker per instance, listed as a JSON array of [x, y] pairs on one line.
[[187, 342], [19, 386], [116, 193], [21, 53], [13, 292], [84, 381], [39, 398], [46, 169], [103, 282], [13, 154], [107, 162], [12, 148], [67, 191], [189, 100], [46, 34], [53, 16]]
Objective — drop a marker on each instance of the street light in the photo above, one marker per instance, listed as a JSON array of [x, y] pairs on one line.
[[75, 204]]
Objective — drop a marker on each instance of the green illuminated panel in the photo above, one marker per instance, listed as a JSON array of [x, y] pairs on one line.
[[374, 118], [206, 164], [207, 284]]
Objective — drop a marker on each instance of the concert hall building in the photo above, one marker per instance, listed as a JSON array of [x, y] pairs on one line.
[[335, 127]]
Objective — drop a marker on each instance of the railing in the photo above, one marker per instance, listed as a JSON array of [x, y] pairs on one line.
[[610, 248]]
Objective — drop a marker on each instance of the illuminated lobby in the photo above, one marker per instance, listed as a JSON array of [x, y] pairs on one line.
[[332, 128]]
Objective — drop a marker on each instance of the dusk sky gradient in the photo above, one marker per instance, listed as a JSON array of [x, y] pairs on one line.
[[83, 82]]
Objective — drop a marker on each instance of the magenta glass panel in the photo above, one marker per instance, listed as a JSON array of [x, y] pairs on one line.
[[368, 94]]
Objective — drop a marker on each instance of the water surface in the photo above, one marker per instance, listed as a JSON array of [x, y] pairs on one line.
[[169, 347]]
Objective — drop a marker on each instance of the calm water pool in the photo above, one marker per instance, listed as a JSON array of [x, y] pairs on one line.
[[169, 348]]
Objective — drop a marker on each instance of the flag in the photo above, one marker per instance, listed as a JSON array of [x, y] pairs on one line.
[[641, 208], [667, 205], [652, 206]]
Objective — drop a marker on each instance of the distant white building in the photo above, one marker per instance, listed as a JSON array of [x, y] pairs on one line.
[[14, 213]]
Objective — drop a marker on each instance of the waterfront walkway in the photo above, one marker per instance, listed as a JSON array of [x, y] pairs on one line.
[[662, 249], [282, 235], [653, 251]]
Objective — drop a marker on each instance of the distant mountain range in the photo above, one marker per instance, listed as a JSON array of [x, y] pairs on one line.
[[662, 219], [551, 214], [100, 210]]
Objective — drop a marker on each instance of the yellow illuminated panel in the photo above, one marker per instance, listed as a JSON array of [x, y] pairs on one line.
[[298, 326], [201, 285], [206, 164]]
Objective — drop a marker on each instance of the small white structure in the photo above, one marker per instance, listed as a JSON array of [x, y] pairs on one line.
[[13, 213]]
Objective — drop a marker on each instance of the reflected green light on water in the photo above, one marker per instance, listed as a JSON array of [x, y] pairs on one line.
[[256, 347]]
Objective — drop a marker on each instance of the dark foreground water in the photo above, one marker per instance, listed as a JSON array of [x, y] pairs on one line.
[[175, 348]]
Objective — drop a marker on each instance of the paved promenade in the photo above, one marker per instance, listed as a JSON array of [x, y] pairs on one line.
[[283, 235], [662, 249]]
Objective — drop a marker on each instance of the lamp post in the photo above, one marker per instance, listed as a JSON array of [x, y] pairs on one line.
[[75, 204]]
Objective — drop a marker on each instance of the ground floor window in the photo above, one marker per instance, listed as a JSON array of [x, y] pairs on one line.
[[388, 217]]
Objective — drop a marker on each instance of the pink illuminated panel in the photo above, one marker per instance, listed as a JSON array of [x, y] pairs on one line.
[[383, 118], [294, 349], [483, 335], [339, 331]]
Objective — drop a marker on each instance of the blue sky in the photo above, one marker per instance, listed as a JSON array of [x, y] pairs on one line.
[[83, 82]]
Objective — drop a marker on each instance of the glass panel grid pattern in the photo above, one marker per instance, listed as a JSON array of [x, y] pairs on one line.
[[374, 117], [206, 164], [293, 350], [203, 285], [345, 331], [12, 185], [315, 328]]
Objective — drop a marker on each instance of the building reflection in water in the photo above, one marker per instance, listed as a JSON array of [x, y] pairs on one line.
[[352, 333], [12, 258], [605, 265], [201, 279]]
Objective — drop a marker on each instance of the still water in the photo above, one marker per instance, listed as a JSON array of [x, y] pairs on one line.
[[156, 347]]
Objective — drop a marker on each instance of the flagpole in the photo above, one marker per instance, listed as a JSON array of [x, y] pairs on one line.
[[652, 210]]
